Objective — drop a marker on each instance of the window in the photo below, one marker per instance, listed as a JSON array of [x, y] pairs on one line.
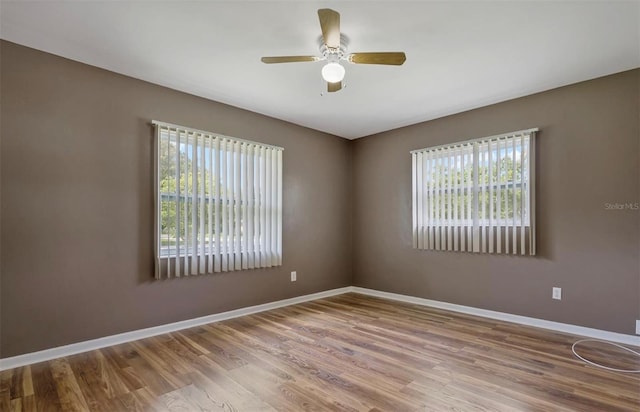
[[476, 196], [218, 203]]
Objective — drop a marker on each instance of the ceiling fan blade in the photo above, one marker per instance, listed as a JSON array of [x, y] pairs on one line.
[[334, 87], [289, 59], [392, 58], [330, 24]]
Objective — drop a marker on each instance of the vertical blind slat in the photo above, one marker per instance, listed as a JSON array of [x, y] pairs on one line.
[[490, 166], [251, 209], [263, 208], [414, 209], [523, 194], [217, 207], [481, 178], [223, 205], [420, 205], [485, 198], [443, 203], [506, 200], [264, 215], [267, 200], [441, 224], [159, 221], [243, 203], [448, 202], [455, 199], [434, 200], [445, 187], [439, 203], [186, 209], [236, 207], [256, 207], [532, 194], [430, 200], [279, 206], [230, 206], [513, 210], [423, 217], [171, 252], [274, 207], [469, 196], [210, 265], [424, 209], [463, 193], [158, 237], [271, 208], [425, 201], [178, 184], [498, 200], [187, 198], [190, 187], [203, 252], [476, 235]]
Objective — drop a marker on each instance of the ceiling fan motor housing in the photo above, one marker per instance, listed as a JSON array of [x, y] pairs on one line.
[[334, 54]]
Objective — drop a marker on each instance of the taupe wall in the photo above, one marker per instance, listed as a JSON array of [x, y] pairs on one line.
[[76, 202], [76, 255], [588, 155]]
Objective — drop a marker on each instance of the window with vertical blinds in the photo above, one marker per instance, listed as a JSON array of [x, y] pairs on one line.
[[476, 196], [218, 203]]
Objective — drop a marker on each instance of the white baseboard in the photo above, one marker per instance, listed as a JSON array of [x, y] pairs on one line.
[[75, 348], [522, 320], [89, 345]]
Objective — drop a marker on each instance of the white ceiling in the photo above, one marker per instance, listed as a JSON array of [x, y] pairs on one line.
[[460, 55]]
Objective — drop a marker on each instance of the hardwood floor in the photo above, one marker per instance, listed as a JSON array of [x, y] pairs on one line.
[[346, 353]]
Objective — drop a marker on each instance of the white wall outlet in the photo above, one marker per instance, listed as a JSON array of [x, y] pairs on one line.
[[557, 293], [294, 276], [638, 327]]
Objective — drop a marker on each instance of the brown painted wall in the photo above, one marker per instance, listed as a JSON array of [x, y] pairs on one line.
[[76, 172], [588, 155], [76, 207]]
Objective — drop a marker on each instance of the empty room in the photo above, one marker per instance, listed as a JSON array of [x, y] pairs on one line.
[[319, 206]]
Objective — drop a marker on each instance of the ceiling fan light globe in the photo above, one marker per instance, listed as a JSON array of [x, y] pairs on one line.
[[333, 72]]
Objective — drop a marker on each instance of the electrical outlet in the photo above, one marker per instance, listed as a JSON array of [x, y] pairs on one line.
[[557, 293], [638, 327], [294, 276]]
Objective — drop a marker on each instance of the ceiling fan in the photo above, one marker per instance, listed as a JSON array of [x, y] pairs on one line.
[[333, 49]]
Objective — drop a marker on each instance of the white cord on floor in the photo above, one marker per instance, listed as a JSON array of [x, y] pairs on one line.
[[573, 349]]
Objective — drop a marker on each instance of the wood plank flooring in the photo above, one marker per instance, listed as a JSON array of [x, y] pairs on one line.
[[346, 353]]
